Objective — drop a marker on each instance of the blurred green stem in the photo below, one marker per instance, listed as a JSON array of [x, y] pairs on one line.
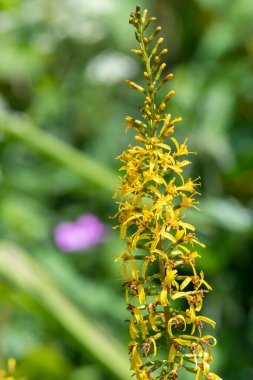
[[23, 271], [22, 129]]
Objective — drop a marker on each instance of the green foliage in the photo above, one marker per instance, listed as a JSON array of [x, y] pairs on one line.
[[62, 108]]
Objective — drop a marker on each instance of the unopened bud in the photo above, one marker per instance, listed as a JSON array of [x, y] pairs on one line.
[[151, 88], [148, 100], [165, 80], [144, 16], [162, 107], [157, 45], [139, 123], [147, 111], [159, 72], [168, 77], [138, 138], [156, 31], [138, 52], [133, 21], [134, 85], [151, 19], [145, 40], [163, 52], [169, 95], [146, 74], [138, 11]]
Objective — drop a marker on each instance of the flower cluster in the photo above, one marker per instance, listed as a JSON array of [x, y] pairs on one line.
[[164, 290]]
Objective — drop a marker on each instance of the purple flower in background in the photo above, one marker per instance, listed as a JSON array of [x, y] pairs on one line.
[[81, 235]]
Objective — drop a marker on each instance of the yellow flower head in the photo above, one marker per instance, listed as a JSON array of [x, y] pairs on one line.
[[164, 291]]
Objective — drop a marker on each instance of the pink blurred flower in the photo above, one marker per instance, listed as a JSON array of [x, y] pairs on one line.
[[80, 235]]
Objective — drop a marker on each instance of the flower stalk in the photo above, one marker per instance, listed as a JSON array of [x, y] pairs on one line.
[[164, 291]]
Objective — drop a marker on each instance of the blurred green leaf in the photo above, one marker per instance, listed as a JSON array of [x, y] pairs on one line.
[[44, 363], [88, 372], [19, 268], [19, 213], [228, 213], [96, 298], [58, 150]]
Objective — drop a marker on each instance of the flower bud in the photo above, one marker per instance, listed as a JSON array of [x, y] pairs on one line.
[[159, 72], [138, 52], [151, 89], [144, 16], [157, 45], [156, 31], [169, 95], [135, 86], [163, 52]]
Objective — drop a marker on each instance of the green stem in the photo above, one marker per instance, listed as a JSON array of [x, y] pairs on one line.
[[147, 59]]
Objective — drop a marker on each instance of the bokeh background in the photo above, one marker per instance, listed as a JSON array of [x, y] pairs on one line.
[[62, 108]]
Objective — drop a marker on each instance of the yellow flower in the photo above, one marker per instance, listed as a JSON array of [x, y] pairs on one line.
[[159, 260]]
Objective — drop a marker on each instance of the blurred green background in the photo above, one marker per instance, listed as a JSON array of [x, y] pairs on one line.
[[62, 108]]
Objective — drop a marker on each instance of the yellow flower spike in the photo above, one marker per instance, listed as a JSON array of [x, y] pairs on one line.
[[159, 261]]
